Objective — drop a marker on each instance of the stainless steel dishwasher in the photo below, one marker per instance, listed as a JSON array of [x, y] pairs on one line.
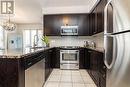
[[35, 75]]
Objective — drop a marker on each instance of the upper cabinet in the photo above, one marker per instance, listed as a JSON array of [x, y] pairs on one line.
[[53, 23], [97, 18], [88, 24]]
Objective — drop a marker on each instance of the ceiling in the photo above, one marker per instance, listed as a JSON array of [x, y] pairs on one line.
[[30, 11]]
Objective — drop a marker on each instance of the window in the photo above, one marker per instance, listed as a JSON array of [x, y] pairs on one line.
[[29, 36], [1, 38]]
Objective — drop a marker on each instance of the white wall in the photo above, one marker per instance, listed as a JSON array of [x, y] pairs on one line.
[[64, 10], [61, 8], [21, 27]]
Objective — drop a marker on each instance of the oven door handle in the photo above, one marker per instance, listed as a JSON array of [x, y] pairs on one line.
[[69, 51]]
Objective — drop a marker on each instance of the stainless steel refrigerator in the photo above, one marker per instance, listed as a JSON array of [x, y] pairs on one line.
[[117, 43]]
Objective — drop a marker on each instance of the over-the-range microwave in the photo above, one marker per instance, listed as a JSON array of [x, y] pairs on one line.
[[69, 30]]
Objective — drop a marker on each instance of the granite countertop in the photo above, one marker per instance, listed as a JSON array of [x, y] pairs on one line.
[[99, 49], [29, 51], [20, 53]]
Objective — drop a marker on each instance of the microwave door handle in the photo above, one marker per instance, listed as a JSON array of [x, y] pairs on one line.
[[114, 54], [105, 16]]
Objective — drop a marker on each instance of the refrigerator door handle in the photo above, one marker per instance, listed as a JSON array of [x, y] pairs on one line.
[[105, 17], [114, 55]]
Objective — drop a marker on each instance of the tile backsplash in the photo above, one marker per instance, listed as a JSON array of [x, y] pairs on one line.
[[99, 39], [68, 41], [56, 41]]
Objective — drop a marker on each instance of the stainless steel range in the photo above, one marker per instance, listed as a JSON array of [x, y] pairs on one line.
[[69, 59]]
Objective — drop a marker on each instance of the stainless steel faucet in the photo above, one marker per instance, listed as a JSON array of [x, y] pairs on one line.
[[35, 40]]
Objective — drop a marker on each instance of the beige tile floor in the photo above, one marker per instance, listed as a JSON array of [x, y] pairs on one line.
[[69, 78]]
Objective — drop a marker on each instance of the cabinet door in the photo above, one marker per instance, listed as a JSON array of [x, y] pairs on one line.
[[57, 58], [94, 22], [94, 67], [100, 16], [50, 55], [81, 59], [102, 81], [46, 65], [91, 23], [87, 59], [97, 18], [53, 57], [52, 25], [83, 23]]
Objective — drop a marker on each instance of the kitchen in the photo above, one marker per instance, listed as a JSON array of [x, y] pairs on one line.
[[65, 44]]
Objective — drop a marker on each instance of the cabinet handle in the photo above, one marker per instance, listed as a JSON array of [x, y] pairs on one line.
[[95, 32], [104, 67], [50, 50], [89, 51], [29, 63], [104, 76]]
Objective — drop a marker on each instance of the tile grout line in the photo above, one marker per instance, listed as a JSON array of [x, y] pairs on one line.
[[71, 78], [82, 78], [60, 78]]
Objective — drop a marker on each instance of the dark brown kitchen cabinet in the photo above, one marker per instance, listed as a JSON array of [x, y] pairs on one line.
[[55, 58], [87, 59], [48, 62], [94, 66], [100, 16], [83, 23], [97, 18], [81, 58], [53, 23], [102, 80], [47, 65], [97, 68], [10, 71], [91, 23], [84, 59]]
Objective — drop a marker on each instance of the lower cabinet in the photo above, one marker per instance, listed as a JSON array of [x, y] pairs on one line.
[[9, 72], [102, 80], [97, 69], [48, 65], [56, 58], [84, 59], [81, 58], [52, 60]]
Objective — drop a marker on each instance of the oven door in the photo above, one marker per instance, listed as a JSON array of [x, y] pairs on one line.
[[69, 56]]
